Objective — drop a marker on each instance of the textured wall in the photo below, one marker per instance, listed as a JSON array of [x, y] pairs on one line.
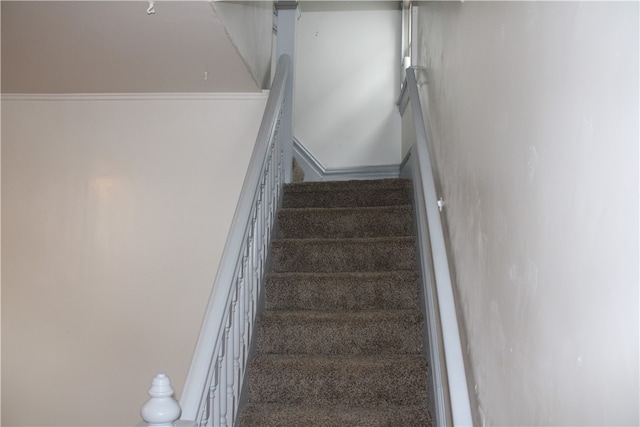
[[114, 217], [534, 108]]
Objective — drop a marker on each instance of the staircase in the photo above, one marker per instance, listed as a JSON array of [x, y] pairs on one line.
[[340, 340]]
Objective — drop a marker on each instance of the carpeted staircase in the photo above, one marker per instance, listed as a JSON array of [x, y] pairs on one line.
[[340, 340]]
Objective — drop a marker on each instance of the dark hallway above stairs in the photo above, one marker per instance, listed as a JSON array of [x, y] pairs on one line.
[[340, 342]]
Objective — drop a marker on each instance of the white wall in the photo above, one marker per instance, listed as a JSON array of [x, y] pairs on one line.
[[535, 113], [114, 217], [347, 83], [250, 26]]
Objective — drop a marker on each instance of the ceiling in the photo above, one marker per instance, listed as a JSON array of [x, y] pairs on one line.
[[116, 47]]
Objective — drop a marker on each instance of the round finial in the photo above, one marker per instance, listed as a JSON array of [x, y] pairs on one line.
[[161, 409]]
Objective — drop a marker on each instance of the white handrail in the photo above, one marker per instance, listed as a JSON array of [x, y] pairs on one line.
[[214, 382], [455, 370]]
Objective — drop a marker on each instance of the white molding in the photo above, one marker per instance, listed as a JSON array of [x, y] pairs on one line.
[[286, 45], [314, 170], [181, 96], [362, 172]]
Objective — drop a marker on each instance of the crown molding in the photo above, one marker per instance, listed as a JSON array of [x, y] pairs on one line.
[[182, 96]]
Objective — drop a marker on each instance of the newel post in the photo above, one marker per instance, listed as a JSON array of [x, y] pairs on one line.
[[288, 13], [161, 410]]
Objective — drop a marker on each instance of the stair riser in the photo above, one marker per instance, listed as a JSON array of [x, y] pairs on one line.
[[311, 333], [394, 291], [343, 256], [345, 223], [293, 381]]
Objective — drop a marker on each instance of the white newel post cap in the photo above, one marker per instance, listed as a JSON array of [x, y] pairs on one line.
[[161, 409]]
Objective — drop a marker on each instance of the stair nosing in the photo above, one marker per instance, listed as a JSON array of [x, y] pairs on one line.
[[366, 274], [328, 358], [342, 239], [406, 206], [347, 313], [373, 184], [331, 407]]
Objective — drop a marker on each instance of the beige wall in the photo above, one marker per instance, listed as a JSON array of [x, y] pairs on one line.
[[535, 115], [116, 47], [114, 217], [347, 83]]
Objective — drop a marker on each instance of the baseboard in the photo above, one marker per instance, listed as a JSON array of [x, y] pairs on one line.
[[314, 170]]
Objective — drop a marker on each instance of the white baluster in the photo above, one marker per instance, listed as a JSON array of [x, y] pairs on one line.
[[237, 345], [222, 392], [211, 405], [242, 325], [246, 323], [231, 381], [161, 409], [251, 278], [214, 395]]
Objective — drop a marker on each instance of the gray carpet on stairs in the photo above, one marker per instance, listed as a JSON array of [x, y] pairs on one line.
[[340, 340]]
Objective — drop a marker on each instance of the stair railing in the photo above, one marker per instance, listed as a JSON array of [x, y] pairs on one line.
[[452, 405], [211, 393]]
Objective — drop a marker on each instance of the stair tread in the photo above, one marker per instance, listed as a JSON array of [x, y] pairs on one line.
[[342, 291], [347, 193], [344, 274], [346, 313], [342, 209], [384, 221], [340, 360], [327, 379], [336, 415], [343, 240], [348, 254], [320, 315], [324, 332]]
